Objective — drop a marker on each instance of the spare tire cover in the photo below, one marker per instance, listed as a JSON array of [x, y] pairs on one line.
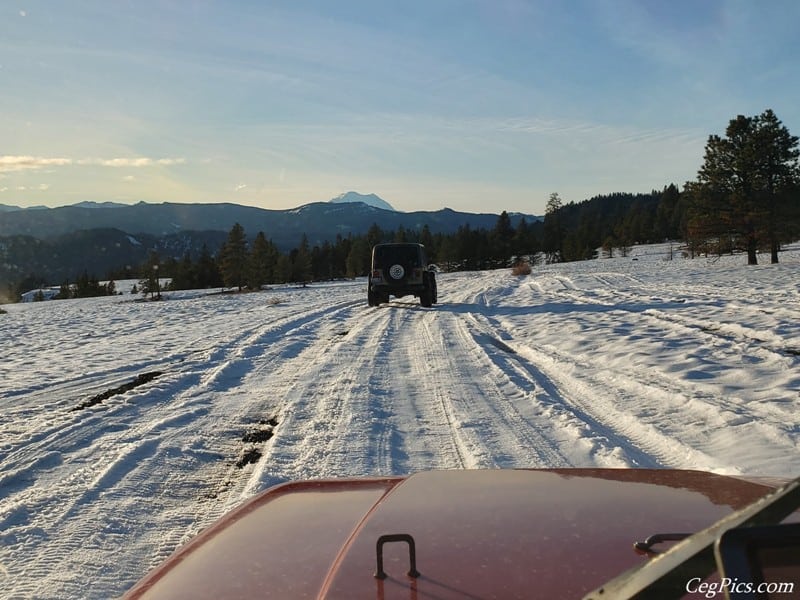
[[396, 271]]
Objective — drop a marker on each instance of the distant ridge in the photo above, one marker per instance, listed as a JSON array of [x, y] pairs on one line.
[[13, 208], [54, 243], [319, 221], [92, 204], [368, 199]]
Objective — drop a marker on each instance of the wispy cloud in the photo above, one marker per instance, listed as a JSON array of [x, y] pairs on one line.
[[42, 187], [132, 162], [23, 163]]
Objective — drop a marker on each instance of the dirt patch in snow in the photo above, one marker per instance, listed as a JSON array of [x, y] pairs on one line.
[[248, 456], [262, 432], [126, 387]]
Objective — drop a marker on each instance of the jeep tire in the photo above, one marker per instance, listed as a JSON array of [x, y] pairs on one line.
[[427, 297]]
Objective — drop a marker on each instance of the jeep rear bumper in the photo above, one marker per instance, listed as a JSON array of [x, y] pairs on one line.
[[398, 290]]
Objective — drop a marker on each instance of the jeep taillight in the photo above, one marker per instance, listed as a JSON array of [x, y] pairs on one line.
[[376, 274]]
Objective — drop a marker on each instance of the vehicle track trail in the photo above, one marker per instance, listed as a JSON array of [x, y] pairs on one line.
[[320, 398], [416, 380], [678, 420], [372, 377], [71, 484], [575, 365], [492, 407]]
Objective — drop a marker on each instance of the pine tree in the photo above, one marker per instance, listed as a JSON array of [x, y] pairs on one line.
[[358, 259], [65, 291], [207, 270], [778, 176], [149, 284], [426, 239], [375, 235], [301, 262], [261, 262], [554, 229], [283, 269], [341, 250], [185, 274], [501, 238], [233, 258], [743, 188], [322, 261], [667, 225]]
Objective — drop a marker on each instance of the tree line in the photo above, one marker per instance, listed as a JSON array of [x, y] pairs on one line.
[[84, 286], [251, 263], [568, 232], [746, 198]]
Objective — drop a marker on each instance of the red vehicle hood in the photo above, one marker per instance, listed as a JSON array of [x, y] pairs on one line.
[[479, 534]]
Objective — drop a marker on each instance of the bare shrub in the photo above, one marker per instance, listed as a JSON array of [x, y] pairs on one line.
[[521, 268]]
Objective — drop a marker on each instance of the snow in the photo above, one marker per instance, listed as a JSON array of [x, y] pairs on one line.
[[609, 363], [370, 200], [45, 293]]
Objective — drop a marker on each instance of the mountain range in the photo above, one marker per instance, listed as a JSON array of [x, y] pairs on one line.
[[319, 221], [58, 243]]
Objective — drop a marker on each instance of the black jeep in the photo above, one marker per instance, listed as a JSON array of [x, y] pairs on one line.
[[400, 270]]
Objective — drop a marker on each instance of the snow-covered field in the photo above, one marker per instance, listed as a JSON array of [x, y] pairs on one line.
[[125, 428]]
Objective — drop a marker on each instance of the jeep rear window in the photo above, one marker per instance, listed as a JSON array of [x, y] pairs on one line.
[[386, 256]]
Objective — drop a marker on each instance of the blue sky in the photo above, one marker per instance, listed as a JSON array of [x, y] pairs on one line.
[[478, 105]]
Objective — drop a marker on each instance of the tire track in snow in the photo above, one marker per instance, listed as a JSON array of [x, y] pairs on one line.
[[530, 400], [651, 429], [578, 437], [446, 445], [722, 337], [220, 368], [483, 411], [63, 426], [113, 453], [252, 357], [88, 489], [727, 333], [324, 400], [234, 360], [619, 435], [561, 396], [350, 410]]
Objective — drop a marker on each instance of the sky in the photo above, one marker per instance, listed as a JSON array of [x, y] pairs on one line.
[[476, 105]]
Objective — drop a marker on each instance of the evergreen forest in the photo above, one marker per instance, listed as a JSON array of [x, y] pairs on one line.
[[746, 198]]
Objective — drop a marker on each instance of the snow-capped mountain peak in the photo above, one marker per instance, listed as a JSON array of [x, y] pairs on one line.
[[368, 199]]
